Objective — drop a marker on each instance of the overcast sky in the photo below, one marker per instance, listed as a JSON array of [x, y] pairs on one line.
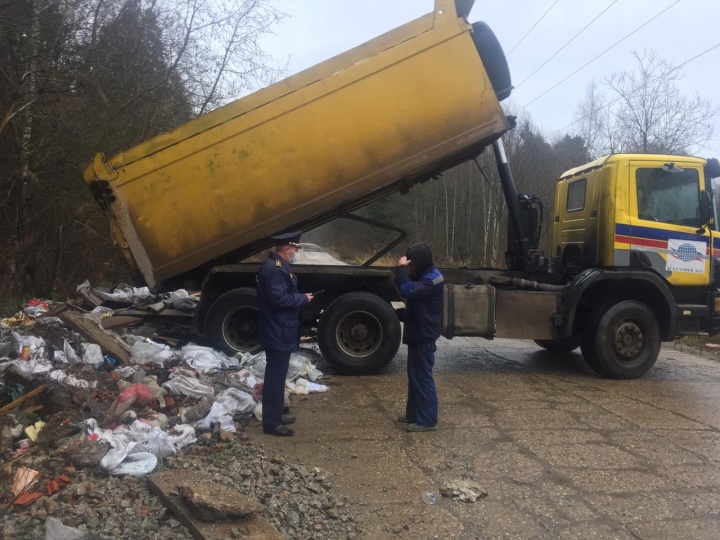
[[319, 29]]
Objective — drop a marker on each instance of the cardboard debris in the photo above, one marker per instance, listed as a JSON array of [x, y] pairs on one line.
[[23, 479]]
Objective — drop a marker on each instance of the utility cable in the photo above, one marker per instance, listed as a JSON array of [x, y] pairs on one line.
[[566, 44], [531, 29], [662, 75], [599, 55]]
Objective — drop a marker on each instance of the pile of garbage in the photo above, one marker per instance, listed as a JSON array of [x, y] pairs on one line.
[[98, 381]]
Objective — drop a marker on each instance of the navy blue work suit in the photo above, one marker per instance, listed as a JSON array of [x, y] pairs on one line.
[[279, 306], [423, 325]]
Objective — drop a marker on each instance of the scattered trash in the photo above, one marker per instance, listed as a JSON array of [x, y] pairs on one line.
[[55, 530], [27, 498], [429, 498], [23, 479], [33, 430], [104, 385]]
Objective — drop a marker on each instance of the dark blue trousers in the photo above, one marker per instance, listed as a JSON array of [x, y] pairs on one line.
[[422, 401], [274, 387]]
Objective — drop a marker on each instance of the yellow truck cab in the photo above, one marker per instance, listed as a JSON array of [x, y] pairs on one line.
[[637, 231]]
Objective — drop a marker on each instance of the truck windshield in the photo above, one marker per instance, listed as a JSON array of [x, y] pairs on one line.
[[668, 197]]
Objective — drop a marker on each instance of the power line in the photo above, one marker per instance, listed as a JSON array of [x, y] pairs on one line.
[[532, 28], [566, 44], [599, 55], [662, 75]]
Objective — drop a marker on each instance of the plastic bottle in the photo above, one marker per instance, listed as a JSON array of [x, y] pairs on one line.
[[429, 498]]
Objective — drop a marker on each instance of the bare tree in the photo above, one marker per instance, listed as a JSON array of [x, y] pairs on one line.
[[82, 76], [644, 111]]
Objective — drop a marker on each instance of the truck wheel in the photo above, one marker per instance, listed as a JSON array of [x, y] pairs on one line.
[[493, 59], [559, 346], [231, 323], [621, 341], [359, 333]]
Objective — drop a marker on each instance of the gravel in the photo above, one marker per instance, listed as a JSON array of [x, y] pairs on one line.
[[297, 500]]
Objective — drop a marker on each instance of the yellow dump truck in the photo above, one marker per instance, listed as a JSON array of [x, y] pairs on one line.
[[369, 122], [375, 120]]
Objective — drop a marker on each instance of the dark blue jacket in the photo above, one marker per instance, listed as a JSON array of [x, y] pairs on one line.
[[279, 303], [423, 319]]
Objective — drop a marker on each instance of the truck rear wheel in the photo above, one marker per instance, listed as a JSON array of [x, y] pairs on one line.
[[359, 333], [493, 59], [621, 341], [559, 346], [231, 324]]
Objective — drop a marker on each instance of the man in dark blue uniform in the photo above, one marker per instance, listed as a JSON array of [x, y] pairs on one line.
[[422, 285], [279, 305]]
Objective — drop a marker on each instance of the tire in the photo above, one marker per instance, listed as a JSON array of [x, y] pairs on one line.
[[588, 348], [231, 323], [559, 346], [622, 341], [493, 59], [359, 333]]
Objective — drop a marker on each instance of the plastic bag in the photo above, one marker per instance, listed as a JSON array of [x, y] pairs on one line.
[[243, 380], [134, 393], [205, 359], [145, 352], [55, 530], [71, 381], [181, 436], [229, 403], [35, 344], [303, 387], [150, 381], [138, 464], [92, 354], [187, 386]]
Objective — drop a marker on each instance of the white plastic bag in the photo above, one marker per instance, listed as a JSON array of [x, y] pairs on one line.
[[92, 354], [205, 359], [146, 352], [138, 464], [187, 386], [185, 436], [70, 381], [55, 530], [229, 403], [303, 387]]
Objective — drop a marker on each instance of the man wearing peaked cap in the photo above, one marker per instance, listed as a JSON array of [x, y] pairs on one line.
[[290, 239], [279, 307]]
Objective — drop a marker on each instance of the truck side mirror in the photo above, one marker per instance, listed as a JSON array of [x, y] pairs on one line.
[[706, 209], [712, 169]]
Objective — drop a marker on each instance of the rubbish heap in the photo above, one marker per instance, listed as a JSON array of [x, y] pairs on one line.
[[108, 382]]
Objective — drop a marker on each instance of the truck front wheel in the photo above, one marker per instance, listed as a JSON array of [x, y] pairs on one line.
[[231, 324], [359, 333], [621, 341]]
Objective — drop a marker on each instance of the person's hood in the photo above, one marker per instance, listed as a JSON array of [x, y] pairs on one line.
[[420, 258]]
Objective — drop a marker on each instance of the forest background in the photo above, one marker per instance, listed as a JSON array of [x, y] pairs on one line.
[[79, 77]]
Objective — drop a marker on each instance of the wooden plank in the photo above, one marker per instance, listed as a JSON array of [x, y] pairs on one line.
[[91, 331], [121, 320], [21, 399]]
